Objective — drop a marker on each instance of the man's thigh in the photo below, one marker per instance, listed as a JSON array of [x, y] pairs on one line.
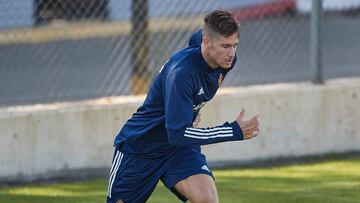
[[132, 179], [198, 188], [188, 168]]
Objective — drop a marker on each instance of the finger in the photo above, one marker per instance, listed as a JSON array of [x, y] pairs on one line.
[[250, 122], [249, 136], [242, 114], [250, 125], [254, 122], [257, 132], [253, 128], [255, 118], [252, 132]]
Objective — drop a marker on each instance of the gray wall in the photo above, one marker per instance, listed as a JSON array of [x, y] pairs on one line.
[[296, 120]]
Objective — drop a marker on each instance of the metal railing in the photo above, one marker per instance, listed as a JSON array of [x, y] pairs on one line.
[[66, 50]]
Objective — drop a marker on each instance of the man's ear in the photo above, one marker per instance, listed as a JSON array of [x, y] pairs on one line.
[[206, 41]]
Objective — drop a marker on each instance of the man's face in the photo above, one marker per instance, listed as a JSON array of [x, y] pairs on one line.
[[222, 50]]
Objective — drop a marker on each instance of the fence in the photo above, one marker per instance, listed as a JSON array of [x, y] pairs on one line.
[[64, 50]]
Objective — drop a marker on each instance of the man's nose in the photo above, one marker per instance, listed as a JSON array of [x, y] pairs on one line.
[[232, 52]]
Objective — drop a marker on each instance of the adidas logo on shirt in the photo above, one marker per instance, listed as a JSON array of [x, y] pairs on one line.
[[204, 167], [201, 91]]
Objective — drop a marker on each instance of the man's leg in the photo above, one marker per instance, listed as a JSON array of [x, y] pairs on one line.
[[198, 188], [132, 179], [189, 177]]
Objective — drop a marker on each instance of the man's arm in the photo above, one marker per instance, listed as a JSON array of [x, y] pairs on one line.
[[179, 113]]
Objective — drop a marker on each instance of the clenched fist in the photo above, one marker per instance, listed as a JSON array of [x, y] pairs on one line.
[[250, 127]]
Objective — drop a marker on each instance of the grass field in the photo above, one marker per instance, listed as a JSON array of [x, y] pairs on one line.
[[330, 181]]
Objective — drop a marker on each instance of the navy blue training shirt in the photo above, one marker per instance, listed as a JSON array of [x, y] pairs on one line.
[[164, 122]]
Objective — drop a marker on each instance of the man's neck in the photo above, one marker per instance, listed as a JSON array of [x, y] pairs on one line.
[[206, 55]]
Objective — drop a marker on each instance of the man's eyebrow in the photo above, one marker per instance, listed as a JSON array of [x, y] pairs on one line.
[[229, 44]]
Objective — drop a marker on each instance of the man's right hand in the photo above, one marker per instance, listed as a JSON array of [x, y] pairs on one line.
[[250, 127]]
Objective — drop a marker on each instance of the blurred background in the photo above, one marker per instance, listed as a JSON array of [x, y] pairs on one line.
[[73, 71], [66, 50]]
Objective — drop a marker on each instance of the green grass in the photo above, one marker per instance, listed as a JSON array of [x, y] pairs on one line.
[[331, 181]]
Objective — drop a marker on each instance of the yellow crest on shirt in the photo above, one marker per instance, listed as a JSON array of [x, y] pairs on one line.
[[220, 79]]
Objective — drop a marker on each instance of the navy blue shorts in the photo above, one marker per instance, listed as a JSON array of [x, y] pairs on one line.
[[133, 179]]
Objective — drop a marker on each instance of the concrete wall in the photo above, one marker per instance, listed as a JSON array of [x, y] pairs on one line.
[[297, 119]]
